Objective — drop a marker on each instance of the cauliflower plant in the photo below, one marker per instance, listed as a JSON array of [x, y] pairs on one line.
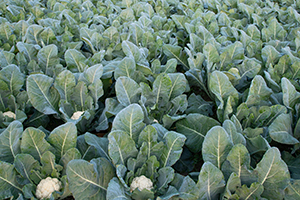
[[141, 182], [46, 186], [10, 114], [76, 115]]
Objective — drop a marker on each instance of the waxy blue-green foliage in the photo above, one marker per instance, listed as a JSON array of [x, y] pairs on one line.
[[200, 96]]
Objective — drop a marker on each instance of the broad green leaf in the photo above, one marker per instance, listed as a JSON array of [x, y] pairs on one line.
[[80, 96], [216, 146], [126, 67], [24, 164], [42, 95], [210, 181], [99, 143], [121, 147], [179, 83], [63, 138], [65, 83], [172, 149], [270, 55], [93, 73], [292, 192], [238, 161], [173, 51], [273, 174], [48, 58], [89, 180], [131, 50], [130, 120], [6, 58], [249, 68], [14, 79], [148, 138], [50, 168], [195, 127], [221, 87], [149, 168], [274, 31], [211, 54], [187, 189], [115, 191], [32, 34], [235, 136], [96, 91], [281, 131], [161, 89], [10, 141], [259, 92], [34, 143], [231, 55], [9, 186], [28, 50], [127, 91], [290, 94], [70, 154], [75, 60], [253, 192], [165, 176], [170, 66]]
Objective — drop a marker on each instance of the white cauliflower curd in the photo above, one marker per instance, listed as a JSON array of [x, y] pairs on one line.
[[9, 114], [46, 186], [141, 182], [76, 115]]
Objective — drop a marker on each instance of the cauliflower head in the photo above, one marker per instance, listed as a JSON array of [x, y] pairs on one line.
[[10, 114], [46, 186], [141, 182], [76, 115]]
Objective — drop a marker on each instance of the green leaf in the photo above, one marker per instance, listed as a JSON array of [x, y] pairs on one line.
[[253, 192], [290, 94], [211, 54], [173, 51], [83, 101], [165, 176], [65, 83], [10, 141], [42, 95], [50, 168], [292, 191], [130, 120], [75, 60], [14, 79], [89, 180], [34, 143], [259, 92], [231, 55], [48, 58], [281, 131], [216, 146], [9, 186], [273, 174], [210, 181], [131, 50], [161, 89], [235, 136], [121, 147], [179, 83], [194, 127], [63, 138], [6, 58], [70, 154], [115, 190], [173, 148], [99, 143], [127, 91], [28, 50], [270, 55], [25, 164], [126, 67]]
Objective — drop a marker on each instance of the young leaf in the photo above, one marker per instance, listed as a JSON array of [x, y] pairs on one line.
[[99, 143], [115, 190], [235, 136], [179, 83], [216, 146], [253, 192], [9, 185], [195, 127], [165, 176], [41, 94], [127, 91], [273, 174], [89, 180], [130, 120], [34, 143], [63, 138], [65, 83], [24, 164], [290, 94], [75, 60], [121, 147], [10, 141], [50, 168], [173, 149], [281, 131], [210, 181], [173, 51]]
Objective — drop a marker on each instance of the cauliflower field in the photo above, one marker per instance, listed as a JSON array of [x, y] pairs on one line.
[[151, 99]]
